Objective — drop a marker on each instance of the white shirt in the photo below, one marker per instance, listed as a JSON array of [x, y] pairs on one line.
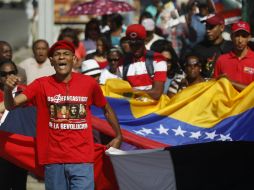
[[105, 74], [35, 70]]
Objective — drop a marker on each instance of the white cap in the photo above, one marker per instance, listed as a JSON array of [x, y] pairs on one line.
[[90, 67], [149, 24]]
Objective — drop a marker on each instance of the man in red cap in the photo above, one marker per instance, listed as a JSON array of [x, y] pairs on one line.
[[146, 71], [64, 145], [213, 45], [238, 65]]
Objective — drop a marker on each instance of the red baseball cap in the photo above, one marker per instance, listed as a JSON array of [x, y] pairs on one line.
[[215, 19], [61, 44], [136, 31], [241, 25]]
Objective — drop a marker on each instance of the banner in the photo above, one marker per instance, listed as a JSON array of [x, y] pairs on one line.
[[205, 112]]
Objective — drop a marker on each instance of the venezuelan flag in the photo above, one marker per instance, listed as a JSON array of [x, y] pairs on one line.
[[205, 112]]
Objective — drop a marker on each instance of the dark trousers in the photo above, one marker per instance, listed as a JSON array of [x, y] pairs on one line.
[[12, 177]]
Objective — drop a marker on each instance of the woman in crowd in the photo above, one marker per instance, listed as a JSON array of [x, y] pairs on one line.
[[100, 55], [174, 71], [193, 70], [92, 33]]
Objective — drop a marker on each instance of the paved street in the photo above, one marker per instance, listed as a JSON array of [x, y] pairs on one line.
[[14, 27]]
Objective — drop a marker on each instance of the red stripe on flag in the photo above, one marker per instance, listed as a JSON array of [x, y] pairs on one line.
[[128, 137]]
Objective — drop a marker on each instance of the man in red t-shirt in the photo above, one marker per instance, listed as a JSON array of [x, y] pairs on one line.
[[64, 143], [237, 65], [137, 73]]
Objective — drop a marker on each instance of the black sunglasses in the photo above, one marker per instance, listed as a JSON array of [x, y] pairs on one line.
[[111, 60], [136, 42], [4, 74]]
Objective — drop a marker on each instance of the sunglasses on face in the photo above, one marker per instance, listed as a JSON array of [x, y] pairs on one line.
[[111, 60], [210, 27], [4, 74], [136, 42]]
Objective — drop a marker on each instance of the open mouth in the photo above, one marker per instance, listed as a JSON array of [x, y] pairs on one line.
[[62, 65]]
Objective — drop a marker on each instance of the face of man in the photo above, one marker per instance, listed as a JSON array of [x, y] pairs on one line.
[[41, 52], [137, 47], [213, 32], [62, 61], [240, 40], [74, 110], [192, 68], [5, 52]]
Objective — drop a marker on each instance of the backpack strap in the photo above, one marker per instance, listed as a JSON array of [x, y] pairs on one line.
[[126, 65], [148, 62]]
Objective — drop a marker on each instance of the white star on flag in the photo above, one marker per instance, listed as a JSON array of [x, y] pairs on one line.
[[179, 131], [146, 131], [139, 132], [162, 130], [211, 135], [225, 137], [195, 135]]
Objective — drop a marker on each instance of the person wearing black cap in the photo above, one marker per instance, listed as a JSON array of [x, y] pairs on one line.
[[237, 65], [64, 145], [213, 45], [146, 71]]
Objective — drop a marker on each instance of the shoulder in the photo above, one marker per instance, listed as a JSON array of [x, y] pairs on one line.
[[26, 62], [78, 77], [251, 53], [158, 57]]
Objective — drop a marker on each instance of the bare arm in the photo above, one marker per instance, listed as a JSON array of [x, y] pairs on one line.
[[156, 91], [113, 121], [236, 85], [9, 101]]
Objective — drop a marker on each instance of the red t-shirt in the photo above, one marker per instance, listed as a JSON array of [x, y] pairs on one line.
[[138, 76], [64, 133], [239, 70]]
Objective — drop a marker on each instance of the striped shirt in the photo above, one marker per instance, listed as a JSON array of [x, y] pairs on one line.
[[138, 76]]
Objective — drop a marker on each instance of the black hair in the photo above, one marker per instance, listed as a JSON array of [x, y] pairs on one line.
[[89, 24], [37, 41], [116, 19], [104, 42], [4, 43], [143, 15], [165, 45], [114, 49], [6, 61], [69, 32]]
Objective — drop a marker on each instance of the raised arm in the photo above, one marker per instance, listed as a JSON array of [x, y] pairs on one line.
[[113, 121], [9, 101]]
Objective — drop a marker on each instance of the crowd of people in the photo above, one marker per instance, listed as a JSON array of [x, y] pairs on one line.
[[156, 56]]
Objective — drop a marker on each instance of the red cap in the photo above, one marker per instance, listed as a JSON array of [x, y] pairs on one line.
[[214, 19], [61, 44], [136, 31], [241, 25]]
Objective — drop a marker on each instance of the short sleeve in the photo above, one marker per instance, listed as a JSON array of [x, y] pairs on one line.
[[32, 89], [98, 98]]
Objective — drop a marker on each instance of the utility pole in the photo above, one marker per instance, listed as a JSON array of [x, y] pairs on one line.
[[46, 20]]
